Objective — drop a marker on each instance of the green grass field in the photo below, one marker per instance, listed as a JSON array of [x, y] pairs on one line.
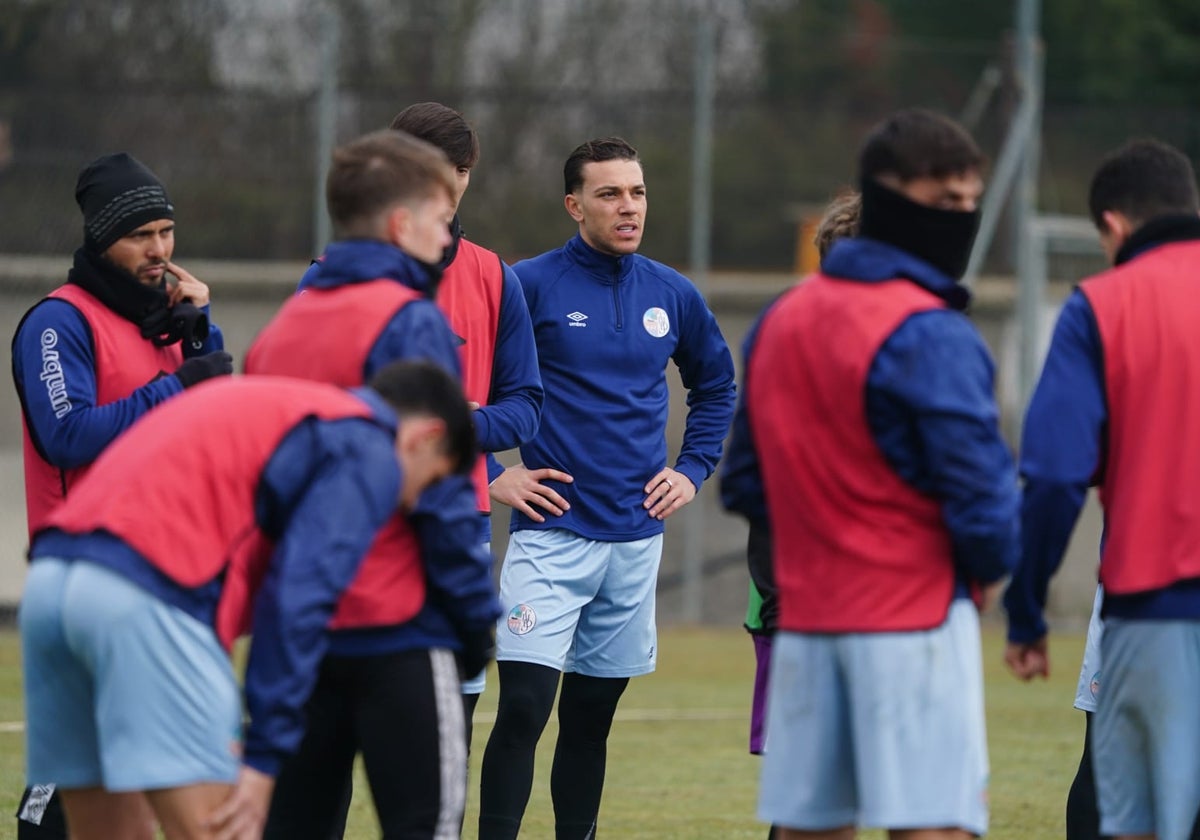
[[677, 763]]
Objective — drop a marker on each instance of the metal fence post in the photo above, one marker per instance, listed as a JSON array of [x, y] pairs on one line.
[[701, 248], [326, 121]]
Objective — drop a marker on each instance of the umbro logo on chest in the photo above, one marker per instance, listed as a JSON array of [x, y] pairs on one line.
[[577, 319]]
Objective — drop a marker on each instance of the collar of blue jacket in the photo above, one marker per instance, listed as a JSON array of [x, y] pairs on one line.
[[872, 261], [603, 267], [362, 260]]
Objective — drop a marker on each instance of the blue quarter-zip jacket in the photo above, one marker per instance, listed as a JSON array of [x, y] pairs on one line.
[[606, 327]]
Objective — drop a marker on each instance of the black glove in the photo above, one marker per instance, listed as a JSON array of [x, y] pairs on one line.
[[185, 322], [156, 323], [189, 324], [479, 648], [200, 368]]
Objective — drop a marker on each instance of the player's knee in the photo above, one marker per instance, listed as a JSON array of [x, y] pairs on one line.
[[526, 698], [587, 704]]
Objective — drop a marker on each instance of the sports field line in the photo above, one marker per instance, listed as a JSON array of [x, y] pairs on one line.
[[632, 715], [656, 715]]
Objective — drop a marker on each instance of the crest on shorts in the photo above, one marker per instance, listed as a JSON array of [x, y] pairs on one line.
[[1094, 685], [521, 619], [656, 322]]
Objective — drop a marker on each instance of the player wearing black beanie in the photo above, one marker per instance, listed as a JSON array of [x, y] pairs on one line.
[[97, 353]]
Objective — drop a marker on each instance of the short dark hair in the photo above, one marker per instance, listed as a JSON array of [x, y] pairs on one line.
[[918, 143], [375, 172], [421, 387], [1143, 179], [595, 151], [443, 127]]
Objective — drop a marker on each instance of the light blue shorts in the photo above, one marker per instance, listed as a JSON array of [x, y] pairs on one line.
[[1087, 690], [121, 690], [878, 730], [579, 605], [477, 683], [1146, 738]]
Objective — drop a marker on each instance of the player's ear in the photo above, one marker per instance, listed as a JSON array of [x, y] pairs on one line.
[[398, 221], [571, 202], [421, 434], [1116, 224]]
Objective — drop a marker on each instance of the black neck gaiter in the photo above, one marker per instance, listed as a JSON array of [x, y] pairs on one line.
[[456, 233], [146, 306], [433, 275], [1173, 227], [942, 238]]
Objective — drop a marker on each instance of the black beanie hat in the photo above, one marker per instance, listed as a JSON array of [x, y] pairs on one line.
[[118, 194]]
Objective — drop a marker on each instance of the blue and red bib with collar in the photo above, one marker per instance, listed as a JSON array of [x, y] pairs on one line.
[[856, 548], [1146, 313], [469, 295], [390, 586], [124, 361], [213, 480]]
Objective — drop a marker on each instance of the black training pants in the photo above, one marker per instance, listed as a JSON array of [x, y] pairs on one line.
[[40, 815], [404, 712]]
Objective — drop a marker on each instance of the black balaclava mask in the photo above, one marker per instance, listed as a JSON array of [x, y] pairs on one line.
[[451, 251], [942, 238]]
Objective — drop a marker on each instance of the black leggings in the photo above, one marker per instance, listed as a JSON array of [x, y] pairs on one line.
[[1083, 815], [470, 701], [404, 712], [585, 713]]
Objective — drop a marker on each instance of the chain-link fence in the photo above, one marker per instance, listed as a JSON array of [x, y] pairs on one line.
[[223, 105]]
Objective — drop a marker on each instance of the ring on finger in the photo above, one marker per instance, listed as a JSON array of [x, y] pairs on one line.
[[670, 486]]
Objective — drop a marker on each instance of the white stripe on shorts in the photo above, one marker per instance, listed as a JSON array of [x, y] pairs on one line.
[[452, 745]]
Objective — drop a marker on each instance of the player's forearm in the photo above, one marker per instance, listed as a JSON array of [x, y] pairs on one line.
[[1049, 511], [509, 422]]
